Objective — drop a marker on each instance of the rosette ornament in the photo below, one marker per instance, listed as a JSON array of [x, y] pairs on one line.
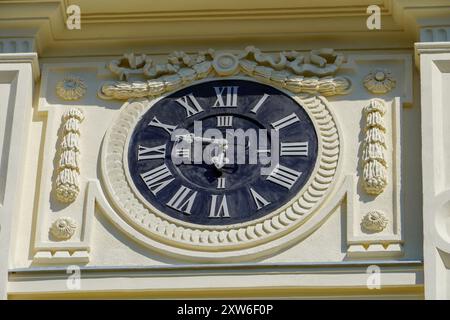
[[374, 221], [63, 228], [71, 88], [379, 81]]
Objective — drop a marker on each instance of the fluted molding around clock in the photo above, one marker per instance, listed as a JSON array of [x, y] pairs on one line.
[[67, 185], [209, 237], [374, 148], [299, 73]]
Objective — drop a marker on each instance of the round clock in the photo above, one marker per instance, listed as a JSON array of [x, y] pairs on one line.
[[220, 168], [222, 152]]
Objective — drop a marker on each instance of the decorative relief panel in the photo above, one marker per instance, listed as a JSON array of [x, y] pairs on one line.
[[305, 78], [311, 73], [374, 225]]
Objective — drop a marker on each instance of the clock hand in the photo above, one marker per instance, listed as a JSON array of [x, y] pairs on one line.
[[189, 138], [220, 160]]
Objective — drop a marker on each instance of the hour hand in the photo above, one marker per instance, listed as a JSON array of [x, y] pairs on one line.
[[189, 138], [220, 160]]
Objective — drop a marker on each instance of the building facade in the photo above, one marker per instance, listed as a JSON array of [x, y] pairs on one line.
[[116, 175]]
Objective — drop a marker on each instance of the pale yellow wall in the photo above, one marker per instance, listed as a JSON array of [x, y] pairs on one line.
[[327, 257]]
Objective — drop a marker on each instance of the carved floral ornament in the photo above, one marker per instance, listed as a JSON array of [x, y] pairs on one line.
[[374, 221], [63, 228], [296, 72], [71, 88], [379, 81]]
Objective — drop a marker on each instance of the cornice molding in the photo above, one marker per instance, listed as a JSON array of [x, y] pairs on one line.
[[30, 57], [432, 47], [149, 26]]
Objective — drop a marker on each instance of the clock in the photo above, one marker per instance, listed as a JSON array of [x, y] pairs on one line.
[[221, 153], [184, 174]]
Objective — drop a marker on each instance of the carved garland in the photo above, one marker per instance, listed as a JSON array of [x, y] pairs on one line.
[[310, 73], [373, 158], [67, 186], [135, 211]]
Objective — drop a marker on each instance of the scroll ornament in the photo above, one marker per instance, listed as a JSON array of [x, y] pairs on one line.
[[68, 170], [298, 73], [373, 158]]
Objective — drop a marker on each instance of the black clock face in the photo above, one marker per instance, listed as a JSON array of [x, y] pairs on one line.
[[200, 155]]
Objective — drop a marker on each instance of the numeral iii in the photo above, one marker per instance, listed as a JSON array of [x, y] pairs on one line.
[[294, 148]]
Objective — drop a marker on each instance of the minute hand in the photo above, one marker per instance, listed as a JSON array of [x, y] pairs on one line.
[[189, 138]]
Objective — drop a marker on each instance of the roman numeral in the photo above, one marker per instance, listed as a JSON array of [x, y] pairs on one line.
[[294, 148], [260, 103], [190, 110], [146, 153], [286, 121], [181, 201], [224, 121], [259, 200], [221, 211], [157, 178], [284, 176], [230, 95], [221, 183], [156, 123]]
